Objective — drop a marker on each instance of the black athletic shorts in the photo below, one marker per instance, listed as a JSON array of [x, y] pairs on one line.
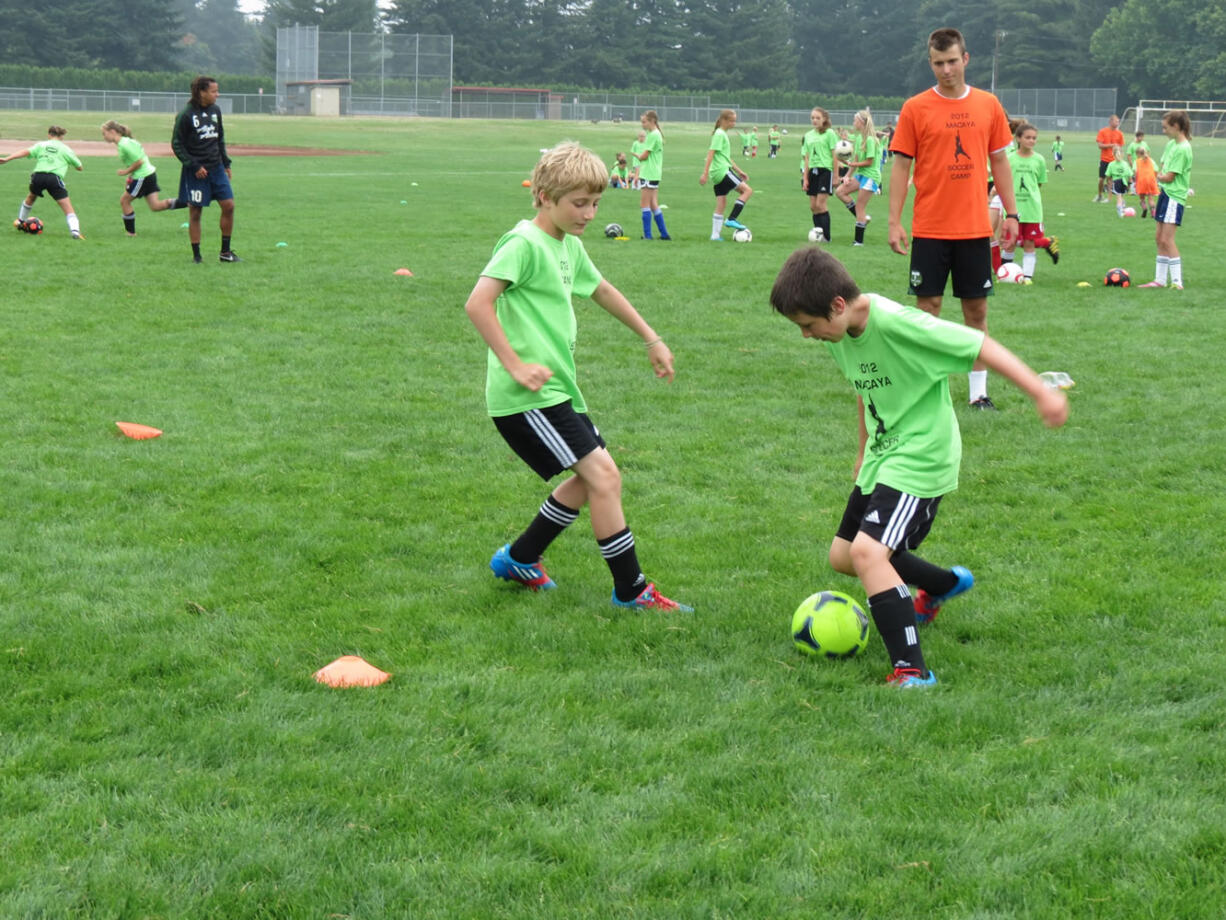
[[730, 183], [139, 188], [968, 261], [821, 182], [47, 182], [551, 439], [896, 519]]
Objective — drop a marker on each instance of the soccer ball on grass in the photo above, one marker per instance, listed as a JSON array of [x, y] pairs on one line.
[[1010, 273], [30, 225], [830, 624], [1117, 277], [742, 236], [613, 230], [816, 235]]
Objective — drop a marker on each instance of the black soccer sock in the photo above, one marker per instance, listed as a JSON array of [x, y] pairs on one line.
[[851, 206], [129, 223], [196, 250], [923, 574], [736, 209], [860, 232], [225, 244], [553, 518], [618, 552], [177, 204], [894, 616], [817, 220], [825, 225]]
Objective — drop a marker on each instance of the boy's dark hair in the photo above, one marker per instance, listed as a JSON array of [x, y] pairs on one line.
[[199, 85], [944, 39], [809, 281]]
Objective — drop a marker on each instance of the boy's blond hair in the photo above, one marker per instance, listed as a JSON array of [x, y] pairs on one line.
[[565, 168]]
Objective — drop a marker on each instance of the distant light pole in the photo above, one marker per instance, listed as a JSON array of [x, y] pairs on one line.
[[1000, 33]]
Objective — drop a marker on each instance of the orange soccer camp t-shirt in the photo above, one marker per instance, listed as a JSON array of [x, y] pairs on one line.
[[950, 140], [1109, 136]]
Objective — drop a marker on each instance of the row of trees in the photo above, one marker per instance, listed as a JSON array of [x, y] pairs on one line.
[[868, 47]]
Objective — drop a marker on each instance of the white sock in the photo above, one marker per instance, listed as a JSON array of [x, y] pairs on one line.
[[978, 384], [717, 225], [25, 211], [74, 225], [1028, 260], [1006, 256], [1161, 264], [1176, 266]]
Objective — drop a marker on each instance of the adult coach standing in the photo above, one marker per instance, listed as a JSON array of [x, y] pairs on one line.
[[952, 134], [1108, 139], [199, 142]]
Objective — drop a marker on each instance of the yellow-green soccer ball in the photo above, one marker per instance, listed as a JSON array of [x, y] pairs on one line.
[[830, 624]]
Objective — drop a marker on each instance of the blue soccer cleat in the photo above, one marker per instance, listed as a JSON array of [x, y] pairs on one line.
[[927, 606], [735, 224], [911, 679], [531, 576], [651, 599]]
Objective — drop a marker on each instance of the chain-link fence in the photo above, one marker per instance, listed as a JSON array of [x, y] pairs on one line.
[[387, 74], [104, 100]]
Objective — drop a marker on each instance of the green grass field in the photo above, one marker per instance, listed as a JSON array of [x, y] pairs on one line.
[[328, 484]]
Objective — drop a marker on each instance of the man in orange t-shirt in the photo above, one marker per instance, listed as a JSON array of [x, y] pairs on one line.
[[1108, 139], [952, 134]]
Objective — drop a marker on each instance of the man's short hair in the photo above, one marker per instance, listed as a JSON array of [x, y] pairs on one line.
[[944, 39], [565, 168], [809, 281]]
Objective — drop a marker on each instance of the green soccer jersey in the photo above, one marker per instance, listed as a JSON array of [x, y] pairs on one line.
[[1136, 146], [1177, 158], [1029, 173], [1057, 148], [900, 366], [819, 148], [1118, 169], [536, 314], [53, 156], [653, 167], [753, 139], [868, 149], [130, 151], [635, 149], [773, 137], [721, 161]]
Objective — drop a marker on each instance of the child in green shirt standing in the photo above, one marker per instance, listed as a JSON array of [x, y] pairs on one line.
[[522, 307], [52, 158], [1174, 182], [898, 360]]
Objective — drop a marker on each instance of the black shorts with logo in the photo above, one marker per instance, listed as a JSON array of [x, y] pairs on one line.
[[895, 519], [934, 261]]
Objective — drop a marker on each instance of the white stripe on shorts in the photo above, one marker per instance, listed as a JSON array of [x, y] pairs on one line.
[[549, 436], [900, 521]]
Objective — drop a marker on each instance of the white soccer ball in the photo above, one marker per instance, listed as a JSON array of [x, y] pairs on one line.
[[843, 149], [1130, 212], [1010, 273], [816, 235], [742, 236]]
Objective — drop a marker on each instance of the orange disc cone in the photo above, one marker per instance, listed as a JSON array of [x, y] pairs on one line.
[[350, 671], [138, 432], [402, 271]]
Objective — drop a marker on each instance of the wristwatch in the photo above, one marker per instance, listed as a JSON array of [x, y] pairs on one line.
[[1014, 216]]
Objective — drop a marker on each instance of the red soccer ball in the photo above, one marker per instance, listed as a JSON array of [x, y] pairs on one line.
[[1117, 277]]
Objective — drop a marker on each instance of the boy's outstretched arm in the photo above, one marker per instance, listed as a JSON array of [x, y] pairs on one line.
[[1051, 404], [481, 309], [614, 302]]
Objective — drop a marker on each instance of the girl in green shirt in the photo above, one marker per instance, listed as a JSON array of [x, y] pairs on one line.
[[52, 158], [141, 175]]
